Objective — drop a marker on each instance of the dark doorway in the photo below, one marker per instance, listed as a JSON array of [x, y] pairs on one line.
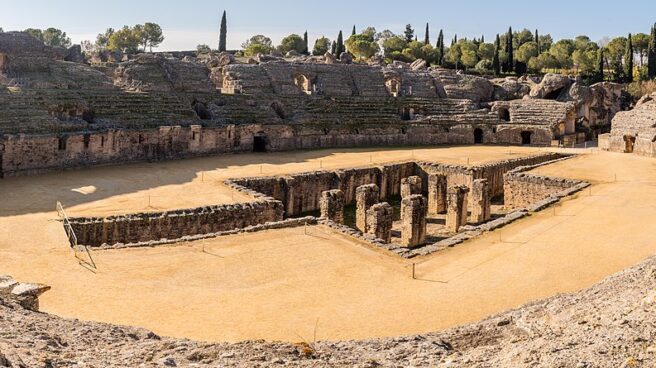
[[504, 114], [478, 136], [629, 143], [526, 137], [202, 111], [259, 143], [553, 94]]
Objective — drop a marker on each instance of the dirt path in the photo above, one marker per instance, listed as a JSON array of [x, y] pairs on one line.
[[281, 284]]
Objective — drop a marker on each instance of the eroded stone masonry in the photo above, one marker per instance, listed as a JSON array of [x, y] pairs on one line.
[[57, 112]]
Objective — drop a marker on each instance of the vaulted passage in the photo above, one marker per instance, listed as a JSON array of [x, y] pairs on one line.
[[526, 137], [629, 143], [478, 136], [259, 143]]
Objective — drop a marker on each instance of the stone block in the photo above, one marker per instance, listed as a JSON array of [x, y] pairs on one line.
[[413, 218], [436, 194], [380, 220], [456, 215], [365, 197], [332, 205], [480, 198], [410, 186]]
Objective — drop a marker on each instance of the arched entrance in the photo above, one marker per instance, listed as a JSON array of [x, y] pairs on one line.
[[504, 114], [629, 143], [303, 83], [259, 142], [478, 136], [393, 86], [526, 137]]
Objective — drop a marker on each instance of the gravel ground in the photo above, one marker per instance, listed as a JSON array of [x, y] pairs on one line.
[[612, 324]]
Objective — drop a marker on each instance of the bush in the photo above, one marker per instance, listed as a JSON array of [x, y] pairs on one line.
[[639, 89]]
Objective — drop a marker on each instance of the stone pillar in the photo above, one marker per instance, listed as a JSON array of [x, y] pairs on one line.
[[436, 194], [332, 205], [380, 220], [480, 198], [410, 186], [413, 220], [365, 197], [456, 201]]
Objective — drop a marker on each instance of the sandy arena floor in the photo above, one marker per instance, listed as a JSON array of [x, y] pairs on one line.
[[284, 284]]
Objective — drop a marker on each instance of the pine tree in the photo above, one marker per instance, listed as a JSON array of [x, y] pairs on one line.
[[223, 33], [496, 65], [306, 48], [628, 61], [537, 41], [353, 33], [600, 66], [340, 45], [651, 62], [427, 36], [510, 63], [409, 33]]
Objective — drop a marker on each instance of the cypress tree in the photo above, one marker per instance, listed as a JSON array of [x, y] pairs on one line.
[[496, 65], [510, 63], [427, 37], [353, 33], [416, 39], [483, 39], [306, 49], [628, 61], [600, 65], [651, 61], [537, 41], [223, 32], [340, 45], [440, 46], [333, 47]]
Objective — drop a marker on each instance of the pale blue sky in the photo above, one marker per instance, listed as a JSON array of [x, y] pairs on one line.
[[191, 22]]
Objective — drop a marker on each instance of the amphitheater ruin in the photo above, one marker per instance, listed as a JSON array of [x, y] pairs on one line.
[[216, 199]]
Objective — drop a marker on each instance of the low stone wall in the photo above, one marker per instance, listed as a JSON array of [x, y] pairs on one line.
[[301, 193], [494, 172], [522, 189], [146, 227], [295, 222]]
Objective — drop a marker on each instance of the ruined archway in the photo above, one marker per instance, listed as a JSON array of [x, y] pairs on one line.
[[407, 113], [393, 86], [504, 114], [201, 110], [478, 136], [259, 142], [629, 143], [303, 83], [526, 137]]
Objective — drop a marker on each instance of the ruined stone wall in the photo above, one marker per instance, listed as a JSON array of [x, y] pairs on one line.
[[494, 172], [523, 189], [24, 154], [301, 193], [635, 131], [139, 228]]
